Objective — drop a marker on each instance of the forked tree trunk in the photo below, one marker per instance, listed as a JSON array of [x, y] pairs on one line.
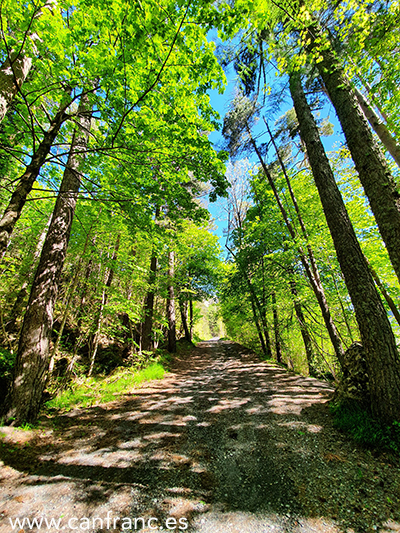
[[375, 177], [171, 315], [382, 358], [28, 178], [33, 351]]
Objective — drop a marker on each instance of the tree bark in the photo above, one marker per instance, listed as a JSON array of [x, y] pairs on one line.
[[28, 178], [312, 272], [264, 333], [13, 73], [388, 141], [258, 328], [68, 302], [33, 351], [385, 294], [184, 318], [147, 341], [303, 328], [171, 315], [191, 318], [278, 347], [108, 280], [20, 300], [378, 183], [382, 358]]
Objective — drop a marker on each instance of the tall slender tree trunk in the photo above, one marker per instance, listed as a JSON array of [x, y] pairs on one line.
[[28, 178], [303, 328], [171, 314], [13, 73], [68, 302], [264, 338], [382, 358], [387, 139], [191, 318], [258, 327], [385, 294], [33, 351], [147, 341], [107, 284], [378, 183], [20, 300], [184, 312], [311, 271], [90, 267], [278, 346]]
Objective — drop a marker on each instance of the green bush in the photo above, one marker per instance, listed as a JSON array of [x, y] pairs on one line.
[[364, 429], [7, 361]]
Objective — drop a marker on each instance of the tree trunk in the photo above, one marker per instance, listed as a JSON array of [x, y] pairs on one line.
[[28, 178], [264, 338], [184, 318], [13, 73], [379, 185], [147, 341], [385, 294], [171, 304], [312, 272], [33, 351], [257, 323], [68, 302], [383, 363], [191, 318], [20, 301], [90, 267], [108, 280], [266, 333], [388, 141], [303, 328], [278, 348]]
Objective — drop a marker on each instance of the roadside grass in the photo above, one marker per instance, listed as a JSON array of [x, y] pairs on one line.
[[357, 422], [85, 392]]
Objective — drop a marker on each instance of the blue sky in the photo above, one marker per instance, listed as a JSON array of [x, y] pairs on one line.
[[220, 102]]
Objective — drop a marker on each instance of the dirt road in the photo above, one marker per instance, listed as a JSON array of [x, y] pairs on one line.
[[223, 444]]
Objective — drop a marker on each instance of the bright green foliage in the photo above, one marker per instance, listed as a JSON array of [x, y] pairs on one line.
[[93, 391]]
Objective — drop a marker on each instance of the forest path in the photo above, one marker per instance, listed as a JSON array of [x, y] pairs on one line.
[[230, 443]]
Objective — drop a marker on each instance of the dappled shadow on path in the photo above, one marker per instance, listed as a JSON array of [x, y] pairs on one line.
[[228, 442]]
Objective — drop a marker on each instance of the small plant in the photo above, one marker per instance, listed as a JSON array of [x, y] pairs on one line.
[[28, 427], [364, 429]]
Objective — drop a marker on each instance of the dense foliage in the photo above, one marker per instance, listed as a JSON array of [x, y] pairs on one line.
[[107, 248]]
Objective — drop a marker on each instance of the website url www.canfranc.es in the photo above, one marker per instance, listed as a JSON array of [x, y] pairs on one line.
[[96, 523]]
